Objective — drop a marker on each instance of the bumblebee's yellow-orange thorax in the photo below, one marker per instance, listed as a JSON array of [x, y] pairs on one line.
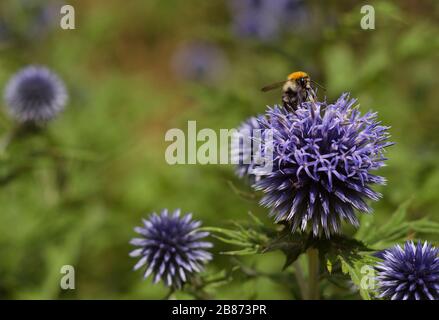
[[297, 75]]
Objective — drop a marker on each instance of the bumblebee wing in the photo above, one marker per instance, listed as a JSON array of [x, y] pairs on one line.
[[273, 86]]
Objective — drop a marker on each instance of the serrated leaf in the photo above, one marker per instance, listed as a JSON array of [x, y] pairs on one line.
[[292, 255], [231, 241], [344, 267], [396, 229], [353, 268], [392, 225], [252, 237], [243, 252], [425, 226], [256, 220], [292, 245], [329, 265]]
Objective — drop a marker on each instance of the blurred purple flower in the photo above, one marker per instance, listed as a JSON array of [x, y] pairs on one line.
[[323, 155], [30, 21], [171, 247], [199, 61], [266, 19], [4, 31], [44, 19], [35, 94], [256, 25], [409, 273]]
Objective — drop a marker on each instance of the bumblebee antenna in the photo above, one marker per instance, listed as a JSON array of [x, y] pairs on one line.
[[319, 85]]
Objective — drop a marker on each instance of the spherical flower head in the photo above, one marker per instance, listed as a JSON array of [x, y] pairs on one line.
[[35, 94], [29, 21], [171, 248], [256, 24], [245, 148], [43, 20], [200, 61], [409, 273], [323, 156], [265, 20], [4, 32]]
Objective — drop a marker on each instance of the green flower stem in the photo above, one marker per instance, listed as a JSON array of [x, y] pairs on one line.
[[16, 132], [301, 280], [313, 274], [6, 140]]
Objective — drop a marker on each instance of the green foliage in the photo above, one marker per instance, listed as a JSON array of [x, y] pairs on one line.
[[395, 230], [339, 254], [72, 194], [252, 238], [256, 237], [354, 268]]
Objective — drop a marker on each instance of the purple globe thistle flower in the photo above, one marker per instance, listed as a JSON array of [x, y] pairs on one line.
[[255, 24], [31, 20], [265, 19], [246, 148], [199, 61], [323, 155], [171, 247], [35, 94], [4, 32], [44, 20], [409, 273]]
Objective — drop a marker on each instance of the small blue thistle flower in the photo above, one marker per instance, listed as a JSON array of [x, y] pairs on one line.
[[30, 21], [171, 247], [4, 32], [409, 273], [255, 24], [245, 148], [43, 20], [35, 94], [200, 62], [266, 19], [323, 155]]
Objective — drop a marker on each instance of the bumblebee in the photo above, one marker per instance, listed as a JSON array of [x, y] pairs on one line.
[[296, 89]]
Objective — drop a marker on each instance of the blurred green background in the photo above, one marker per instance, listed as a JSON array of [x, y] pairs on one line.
[[135, 69]]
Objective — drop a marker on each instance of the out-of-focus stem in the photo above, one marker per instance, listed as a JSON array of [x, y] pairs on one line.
[[5, 141], [301, 280], [313, 274]]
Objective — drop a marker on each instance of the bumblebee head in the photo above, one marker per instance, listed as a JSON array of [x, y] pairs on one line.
[[298, 75], [296, 79], [301, 78]]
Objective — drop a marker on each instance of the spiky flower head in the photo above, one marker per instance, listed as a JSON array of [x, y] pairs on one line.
[[323, 156], [35, 94], [171, 247], [245, 147], [409, 273]]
